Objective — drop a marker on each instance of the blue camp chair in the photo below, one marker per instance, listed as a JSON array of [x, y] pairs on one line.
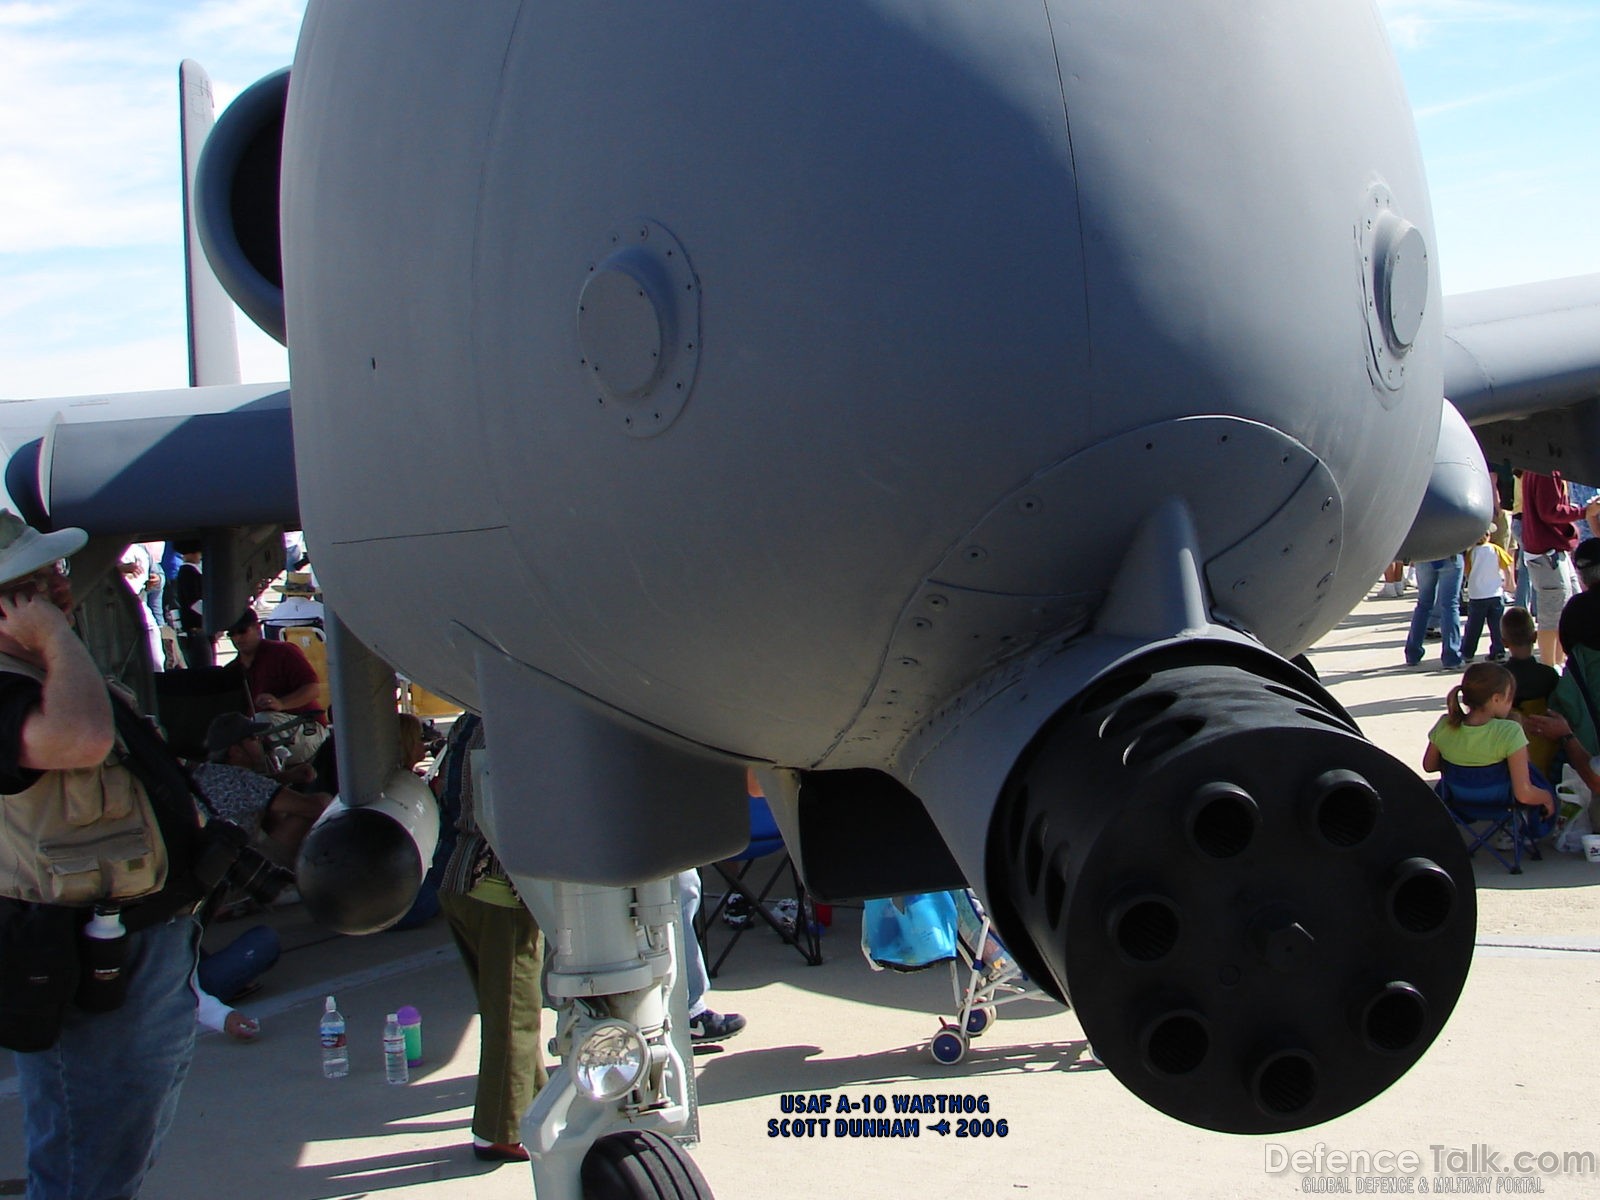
[[765, 840], [1481, 801]]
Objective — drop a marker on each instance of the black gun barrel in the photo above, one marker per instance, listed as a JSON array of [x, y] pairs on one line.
[[1262, 919]]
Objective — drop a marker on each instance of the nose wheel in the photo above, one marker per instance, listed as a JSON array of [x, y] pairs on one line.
[[641, 1165]]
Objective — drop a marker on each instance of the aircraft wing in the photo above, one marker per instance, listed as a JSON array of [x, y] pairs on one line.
[[152, 462], [1522, 365]]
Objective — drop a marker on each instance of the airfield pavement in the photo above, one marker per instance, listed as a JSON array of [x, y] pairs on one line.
[[1508, 1076]]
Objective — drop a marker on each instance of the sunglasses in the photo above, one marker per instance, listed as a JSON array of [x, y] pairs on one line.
[[37, 581]]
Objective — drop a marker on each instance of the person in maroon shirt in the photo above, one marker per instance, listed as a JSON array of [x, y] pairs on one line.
[[1549, 536], [280, 677]]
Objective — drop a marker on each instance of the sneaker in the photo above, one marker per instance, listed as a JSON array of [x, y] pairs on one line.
[[787, 914], [1503, 841], [737, 913], [714, 1026]]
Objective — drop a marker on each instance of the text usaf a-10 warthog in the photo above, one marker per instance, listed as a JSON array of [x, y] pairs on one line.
[[963, 413]]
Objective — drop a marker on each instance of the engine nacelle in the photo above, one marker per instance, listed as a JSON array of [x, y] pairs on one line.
[[1460, 501], [360, 867], [236, 201]]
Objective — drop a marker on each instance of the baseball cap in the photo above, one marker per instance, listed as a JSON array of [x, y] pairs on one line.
[[228, 730], [1587, 556]]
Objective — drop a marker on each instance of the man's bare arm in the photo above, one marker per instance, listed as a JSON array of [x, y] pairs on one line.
[[72, 726], [303, 695]]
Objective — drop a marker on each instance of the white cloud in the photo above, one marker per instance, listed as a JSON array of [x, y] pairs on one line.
[[1492, 96], [88, 111], [1414, 24], [91, 257], [237, 27]]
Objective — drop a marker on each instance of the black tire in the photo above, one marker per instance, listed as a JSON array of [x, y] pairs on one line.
[[640, 1165]]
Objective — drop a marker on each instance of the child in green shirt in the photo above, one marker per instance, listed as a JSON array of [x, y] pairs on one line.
[[1477, 732]]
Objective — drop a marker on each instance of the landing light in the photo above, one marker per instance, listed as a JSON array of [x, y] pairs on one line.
[[610, 1060]]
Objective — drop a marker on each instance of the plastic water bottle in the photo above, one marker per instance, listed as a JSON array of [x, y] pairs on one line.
[[104, 982], [394, 1050], [335, 1051], [1572, 784]]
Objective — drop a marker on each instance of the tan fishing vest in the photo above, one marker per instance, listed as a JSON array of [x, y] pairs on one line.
[[80, 836]]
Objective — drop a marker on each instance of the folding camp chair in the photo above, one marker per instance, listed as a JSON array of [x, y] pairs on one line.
[[187, 701], [765, 840], [1482, 797], [313, 644]]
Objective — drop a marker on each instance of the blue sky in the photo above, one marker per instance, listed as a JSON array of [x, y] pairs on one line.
[[1507, 100]]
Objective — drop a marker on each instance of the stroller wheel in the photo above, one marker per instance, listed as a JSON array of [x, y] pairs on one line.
[[979, 1020], [949, 1045]]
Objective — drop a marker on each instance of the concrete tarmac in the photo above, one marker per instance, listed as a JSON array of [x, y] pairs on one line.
[[1508, 1076]]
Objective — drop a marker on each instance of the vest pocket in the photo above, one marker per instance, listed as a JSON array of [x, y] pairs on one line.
[[119, 863]]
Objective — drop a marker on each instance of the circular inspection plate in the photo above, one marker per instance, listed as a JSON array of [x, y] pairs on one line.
[[638, 327]]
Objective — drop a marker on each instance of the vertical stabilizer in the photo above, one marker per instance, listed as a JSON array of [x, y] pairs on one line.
[[213, 340]]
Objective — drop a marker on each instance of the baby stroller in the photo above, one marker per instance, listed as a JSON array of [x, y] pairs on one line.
[[912, 933]]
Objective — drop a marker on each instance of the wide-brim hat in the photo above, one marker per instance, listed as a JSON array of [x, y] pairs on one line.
[[23, 549]]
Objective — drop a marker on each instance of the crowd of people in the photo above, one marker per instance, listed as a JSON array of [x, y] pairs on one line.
[[99, 1082], [165, 577], [1526, 559], [1533, 579]]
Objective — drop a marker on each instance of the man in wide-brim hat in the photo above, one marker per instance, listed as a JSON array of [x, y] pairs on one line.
[[95, 1105]]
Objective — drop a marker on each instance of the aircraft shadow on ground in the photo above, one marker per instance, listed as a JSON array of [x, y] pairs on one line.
[[1324, 654], [1556, 870], [1389, 708], [844, 974], [755, 1074], [1361, 620], [318, 1153], [385, 1172]]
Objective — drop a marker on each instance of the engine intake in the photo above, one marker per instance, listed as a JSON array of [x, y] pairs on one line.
[[236, 201]]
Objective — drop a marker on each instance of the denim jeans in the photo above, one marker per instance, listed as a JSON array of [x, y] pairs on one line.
[[694, 961], [153, 598], [1479, 613], [1524, 596], [1438, 587], [96, 1105], [240, 963]]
